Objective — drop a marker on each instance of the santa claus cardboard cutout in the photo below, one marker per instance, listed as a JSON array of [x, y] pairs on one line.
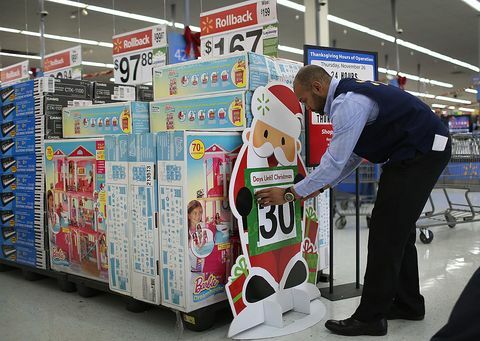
[[274, 267]]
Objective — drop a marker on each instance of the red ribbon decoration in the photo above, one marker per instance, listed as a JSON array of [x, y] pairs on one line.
[[401, 82], [192, 39]]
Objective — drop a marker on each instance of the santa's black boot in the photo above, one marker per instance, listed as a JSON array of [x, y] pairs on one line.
[[258, 289], [297, 275]]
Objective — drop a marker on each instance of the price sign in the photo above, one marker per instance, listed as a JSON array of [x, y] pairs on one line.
[[259, 39], [64, 64], [14, 73], [272, 227], [248, 26], [136, 53]]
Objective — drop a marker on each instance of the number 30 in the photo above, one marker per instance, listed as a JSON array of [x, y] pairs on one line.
[[270, 215]]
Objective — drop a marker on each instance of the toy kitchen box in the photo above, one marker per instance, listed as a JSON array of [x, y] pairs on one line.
[[195, 220], [76, 207], [105, 119], [225, 111], [242, 71]]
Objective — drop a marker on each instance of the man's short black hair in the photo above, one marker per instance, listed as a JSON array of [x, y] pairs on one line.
[[310, 73]]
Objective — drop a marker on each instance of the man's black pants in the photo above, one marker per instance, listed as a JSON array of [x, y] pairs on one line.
[[391, 276]]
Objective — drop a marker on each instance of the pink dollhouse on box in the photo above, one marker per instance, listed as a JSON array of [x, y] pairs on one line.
[[217, 167], [75, 179]]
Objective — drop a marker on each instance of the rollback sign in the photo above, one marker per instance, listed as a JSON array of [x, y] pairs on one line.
[[64, 64], [136, 53], [14, 73], [247, 26], [274, 260]]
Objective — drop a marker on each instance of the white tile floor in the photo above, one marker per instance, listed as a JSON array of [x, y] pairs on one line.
[[40, 311]]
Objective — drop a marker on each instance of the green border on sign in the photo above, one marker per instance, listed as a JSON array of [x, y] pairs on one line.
[[252, 218]]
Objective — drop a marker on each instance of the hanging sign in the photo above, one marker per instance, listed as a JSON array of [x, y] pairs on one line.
[[15, 73], [136, 53], [64, 64], [176, 49], [339, 63], [247, 26]]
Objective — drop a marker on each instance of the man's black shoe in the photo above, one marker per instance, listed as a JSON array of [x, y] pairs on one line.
[[352, 327]]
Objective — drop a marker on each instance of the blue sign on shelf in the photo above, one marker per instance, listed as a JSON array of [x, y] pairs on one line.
[[176, 49]]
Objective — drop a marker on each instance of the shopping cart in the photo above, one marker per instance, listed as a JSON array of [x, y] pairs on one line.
[[344, 194], [461, 173]]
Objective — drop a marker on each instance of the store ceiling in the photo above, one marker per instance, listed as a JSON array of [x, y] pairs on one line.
[[449, 27]]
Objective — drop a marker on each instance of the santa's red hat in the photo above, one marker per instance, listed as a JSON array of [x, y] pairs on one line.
[[277, 106]]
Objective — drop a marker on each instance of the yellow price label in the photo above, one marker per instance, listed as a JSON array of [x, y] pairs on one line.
[[49, 153], [197, 149]]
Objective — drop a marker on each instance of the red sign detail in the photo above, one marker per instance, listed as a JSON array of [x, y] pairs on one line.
[[58, 61], [132, 42], [10, 74], [319, 137], [229, 20]]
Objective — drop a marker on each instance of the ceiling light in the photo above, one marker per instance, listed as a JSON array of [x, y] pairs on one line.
[[473, 3], [441, 106], [73, 15], [11, 30], [69, 3], [472, 91], [290, 49], [291, 4], [360, 28], [19, 55], [415, 78], [97, 64], [451, 107], [112, 79], [420, 94], [84, 12], [451, 99], [466, 109]]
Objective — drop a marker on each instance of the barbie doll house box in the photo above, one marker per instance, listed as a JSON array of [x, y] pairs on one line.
[[106, 119], [76, 198], [195, 220]]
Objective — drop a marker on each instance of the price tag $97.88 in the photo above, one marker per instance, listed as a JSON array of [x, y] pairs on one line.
[[134, 68]]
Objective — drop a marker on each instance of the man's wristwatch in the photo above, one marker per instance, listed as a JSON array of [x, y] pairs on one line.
[[288, 195]]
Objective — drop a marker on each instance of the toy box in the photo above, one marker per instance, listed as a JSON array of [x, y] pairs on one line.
[[53, 106], [225, 111], [144, 93], [21, 182], [242, 71], [76, 212], [18, 145], [21, 163], [23, 107], [103, 119], [110, 92], [27, 125], [22, 91], [118, 231], [142, 189], [194, 217]]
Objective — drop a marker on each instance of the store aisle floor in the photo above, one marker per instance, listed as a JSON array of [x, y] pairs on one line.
[[40, 311]]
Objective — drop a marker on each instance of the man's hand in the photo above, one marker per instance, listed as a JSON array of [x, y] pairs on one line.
[[274, 196], [270, 196]]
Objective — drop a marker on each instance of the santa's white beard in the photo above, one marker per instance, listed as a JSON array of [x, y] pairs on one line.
[[258, 156]]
